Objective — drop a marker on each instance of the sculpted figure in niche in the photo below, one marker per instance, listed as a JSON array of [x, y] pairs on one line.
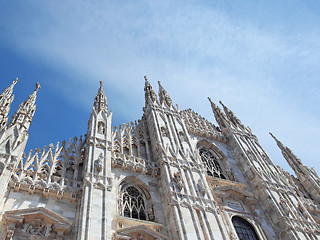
[[168, 100], [201, 187], [150, 213], [101, 128], [164, 132], [99, 163], [178, 180]]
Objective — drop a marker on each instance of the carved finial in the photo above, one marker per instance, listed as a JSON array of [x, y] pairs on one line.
[[222, 104], [273, 136], [37, 86], [101, 83], [280, 145], [145, 78], [15, 81]]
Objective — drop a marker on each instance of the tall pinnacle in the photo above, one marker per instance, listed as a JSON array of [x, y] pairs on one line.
[[23, 116], [6, 99], [100, 101], [150, 95], [231, 116], [218, 114], [163, 96], [294, 162], [308, 177]]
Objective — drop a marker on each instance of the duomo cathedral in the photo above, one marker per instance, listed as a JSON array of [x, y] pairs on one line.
[[171, 175]]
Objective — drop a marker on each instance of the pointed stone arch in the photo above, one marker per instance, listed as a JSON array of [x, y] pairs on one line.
[[209, 145], [134, 200], [212, 158]]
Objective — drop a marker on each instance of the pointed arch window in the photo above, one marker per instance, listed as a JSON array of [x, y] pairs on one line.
[[244, 229], [210, 160], [133, 203]]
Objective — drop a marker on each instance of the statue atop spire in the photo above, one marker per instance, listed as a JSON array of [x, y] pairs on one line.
[[150, 95], [100, 101], [24, 115], [6, 99], [163, 96]]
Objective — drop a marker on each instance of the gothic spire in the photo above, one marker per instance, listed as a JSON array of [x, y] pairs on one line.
[[6, 99], [218, 114], [232, 117], [100, 101], [23, 116], [150, 95], [294, 162], [163, 96], [308, 177]]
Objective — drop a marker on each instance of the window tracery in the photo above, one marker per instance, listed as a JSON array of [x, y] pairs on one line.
[[210, 161], [244, 229], [133, 203]]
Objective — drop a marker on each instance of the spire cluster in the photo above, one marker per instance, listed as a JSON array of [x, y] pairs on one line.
[[152, 98], [226, 118]]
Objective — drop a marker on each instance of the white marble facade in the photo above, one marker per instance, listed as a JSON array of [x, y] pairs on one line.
[[170, 175]]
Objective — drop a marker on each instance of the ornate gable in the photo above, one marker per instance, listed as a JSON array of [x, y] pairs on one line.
[[40, 223]]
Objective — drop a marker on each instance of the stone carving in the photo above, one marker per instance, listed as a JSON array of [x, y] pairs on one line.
[[164, 132], [9, 234], [99, 163], [150, 213], [52, 169], [178, 180], [101, 127], [37, 228], [201, 187], [140, 236]]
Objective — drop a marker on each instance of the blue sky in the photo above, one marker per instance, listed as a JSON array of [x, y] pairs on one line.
[[261, 58]]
